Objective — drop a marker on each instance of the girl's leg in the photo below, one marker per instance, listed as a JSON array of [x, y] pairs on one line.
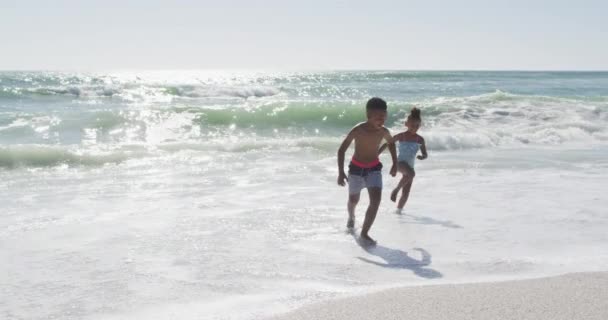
[[398, 187], [406, 187], [406, 172], [405, 194]]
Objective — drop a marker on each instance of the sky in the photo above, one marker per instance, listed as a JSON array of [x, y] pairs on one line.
[[304, 35]]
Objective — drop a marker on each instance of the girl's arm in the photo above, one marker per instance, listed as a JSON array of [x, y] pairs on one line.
[[423, 150]]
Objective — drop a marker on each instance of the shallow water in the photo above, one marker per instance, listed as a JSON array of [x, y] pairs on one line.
[[200, 195]]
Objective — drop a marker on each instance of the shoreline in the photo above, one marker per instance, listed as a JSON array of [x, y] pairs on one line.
[[569, 296]]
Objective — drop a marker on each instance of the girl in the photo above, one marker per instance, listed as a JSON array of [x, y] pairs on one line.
[[409, 143]]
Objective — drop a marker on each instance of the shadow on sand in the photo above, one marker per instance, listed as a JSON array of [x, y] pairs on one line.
[[398, 259], [410, 218]]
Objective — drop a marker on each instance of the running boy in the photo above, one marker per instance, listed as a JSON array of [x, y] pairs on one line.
[[364, 170]]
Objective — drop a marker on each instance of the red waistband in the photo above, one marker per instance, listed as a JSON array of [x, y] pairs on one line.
[[365, 165]]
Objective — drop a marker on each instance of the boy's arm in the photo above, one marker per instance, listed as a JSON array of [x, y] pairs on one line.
[[391, 147], [341, 151], [423, 150], [382, 147], [385, 145]]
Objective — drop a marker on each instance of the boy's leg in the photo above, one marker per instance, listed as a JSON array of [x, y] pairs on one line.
[[353, 199], [355, 184], [375, 195]]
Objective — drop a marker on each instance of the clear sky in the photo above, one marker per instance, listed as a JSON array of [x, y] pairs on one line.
[[311, 34]]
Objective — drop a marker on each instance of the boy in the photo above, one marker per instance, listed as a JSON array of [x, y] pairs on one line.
[[364, 170]]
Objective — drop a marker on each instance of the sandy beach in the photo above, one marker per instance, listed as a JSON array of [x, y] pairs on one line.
[[571, 296]]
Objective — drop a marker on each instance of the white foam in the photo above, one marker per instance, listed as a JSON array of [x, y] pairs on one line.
[[185, 234], [508, 120], [225, 205]]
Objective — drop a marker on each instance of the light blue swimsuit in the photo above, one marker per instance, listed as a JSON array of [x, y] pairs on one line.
[[408, 151]]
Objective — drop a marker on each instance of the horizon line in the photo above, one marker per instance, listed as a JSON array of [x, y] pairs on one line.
[[295, 70]]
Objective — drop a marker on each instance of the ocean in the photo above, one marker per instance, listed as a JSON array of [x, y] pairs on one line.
[[213, 195]]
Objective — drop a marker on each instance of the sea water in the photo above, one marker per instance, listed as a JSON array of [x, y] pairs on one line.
[[213, 195]]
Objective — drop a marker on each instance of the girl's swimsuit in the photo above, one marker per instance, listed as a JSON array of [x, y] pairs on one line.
[[407, 152]]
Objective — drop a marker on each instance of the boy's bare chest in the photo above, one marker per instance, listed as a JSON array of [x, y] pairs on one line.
[[370, 139]]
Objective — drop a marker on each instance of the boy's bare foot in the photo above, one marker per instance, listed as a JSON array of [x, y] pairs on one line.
[[394, 195], [399, 211], [367, 240], [350, 223]]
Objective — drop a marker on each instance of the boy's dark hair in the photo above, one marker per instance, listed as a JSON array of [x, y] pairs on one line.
[[415, 114], [376, 103]]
